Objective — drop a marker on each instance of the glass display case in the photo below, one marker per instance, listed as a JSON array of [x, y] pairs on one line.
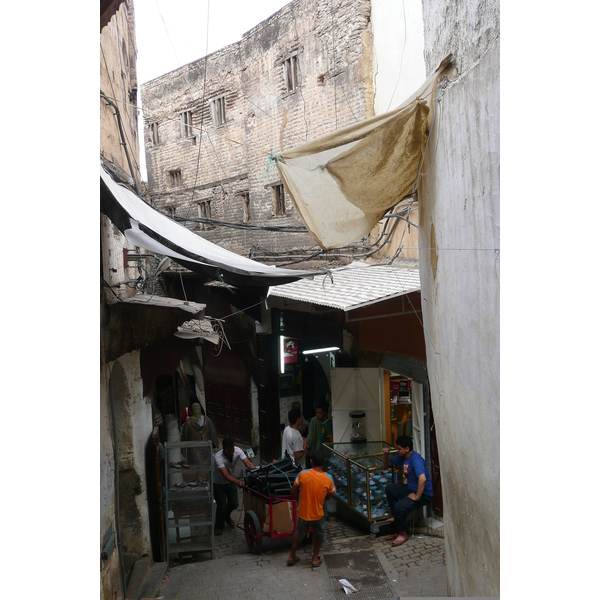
[[359, 477], [189, 498]]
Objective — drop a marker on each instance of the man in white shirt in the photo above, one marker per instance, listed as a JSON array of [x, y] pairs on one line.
[[225, 484], [292, 443]]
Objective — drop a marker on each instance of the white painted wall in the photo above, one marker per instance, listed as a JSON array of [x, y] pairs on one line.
[[460, 279], [398, 40]]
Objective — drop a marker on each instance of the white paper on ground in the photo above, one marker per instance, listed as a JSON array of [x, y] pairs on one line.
[[347, 586]]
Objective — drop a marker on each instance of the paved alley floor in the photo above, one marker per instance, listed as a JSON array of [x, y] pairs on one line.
[[413, 570]]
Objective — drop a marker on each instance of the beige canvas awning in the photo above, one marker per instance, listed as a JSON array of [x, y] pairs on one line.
[[344, 182]]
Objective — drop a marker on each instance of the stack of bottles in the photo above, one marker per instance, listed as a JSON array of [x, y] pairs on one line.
[[274, 480]]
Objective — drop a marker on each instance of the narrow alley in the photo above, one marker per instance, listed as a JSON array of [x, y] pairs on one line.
[[416, 569]]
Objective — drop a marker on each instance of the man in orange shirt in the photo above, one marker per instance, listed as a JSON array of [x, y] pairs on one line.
[[314, 487]]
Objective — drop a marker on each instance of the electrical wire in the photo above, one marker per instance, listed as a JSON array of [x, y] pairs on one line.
[[243, 226], [168, 34], [202, 111], [401, 59]]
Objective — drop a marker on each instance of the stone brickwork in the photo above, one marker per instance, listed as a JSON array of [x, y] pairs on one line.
[[328, 44]]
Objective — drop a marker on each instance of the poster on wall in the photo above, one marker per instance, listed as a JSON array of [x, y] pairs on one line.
[[290, 351], [399, 390]]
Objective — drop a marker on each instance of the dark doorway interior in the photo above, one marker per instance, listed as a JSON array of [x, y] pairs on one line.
[[227, 389], [436, 480], [315, 385]]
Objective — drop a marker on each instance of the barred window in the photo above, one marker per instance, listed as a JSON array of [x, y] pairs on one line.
[[186, 124], [217, 107], [290, 73], [154, 134], [204, 209], [175, 177]]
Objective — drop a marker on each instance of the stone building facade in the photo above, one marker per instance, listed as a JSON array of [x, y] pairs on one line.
[[213, 127]]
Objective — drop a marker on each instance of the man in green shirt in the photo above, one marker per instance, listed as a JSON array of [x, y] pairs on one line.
[[320, 429]]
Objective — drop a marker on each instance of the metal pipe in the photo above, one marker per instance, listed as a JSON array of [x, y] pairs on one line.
[[122, 135]]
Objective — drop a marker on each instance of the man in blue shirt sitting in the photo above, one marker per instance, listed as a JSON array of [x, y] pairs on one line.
[[405, 497]]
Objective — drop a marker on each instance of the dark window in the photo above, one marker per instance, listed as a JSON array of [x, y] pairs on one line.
[[245, 207], [278, 197], [290, 73]]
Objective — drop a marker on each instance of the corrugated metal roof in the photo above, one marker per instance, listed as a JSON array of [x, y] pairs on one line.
[[353, 287]]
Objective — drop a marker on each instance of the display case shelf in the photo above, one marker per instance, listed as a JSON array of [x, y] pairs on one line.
[[360, 478], [189, 498]]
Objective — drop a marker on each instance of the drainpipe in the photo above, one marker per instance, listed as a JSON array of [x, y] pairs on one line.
[[122, 134], [117, 507]]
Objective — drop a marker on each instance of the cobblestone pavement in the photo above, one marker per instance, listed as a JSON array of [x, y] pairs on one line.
[[416, 569]]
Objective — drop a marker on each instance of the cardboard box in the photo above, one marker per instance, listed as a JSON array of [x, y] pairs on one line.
[[283, 521], [256, 505]]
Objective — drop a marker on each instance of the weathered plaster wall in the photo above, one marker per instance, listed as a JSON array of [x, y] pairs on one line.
[[134, 426], [118, 81], [459, 225]]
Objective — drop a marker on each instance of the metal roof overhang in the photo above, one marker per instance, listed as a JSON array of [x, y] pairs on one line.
[[352, 287], [147, 228]]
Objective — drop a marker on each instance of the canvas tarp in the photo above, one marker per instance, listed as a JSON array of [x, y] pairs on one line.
[[344, 182]]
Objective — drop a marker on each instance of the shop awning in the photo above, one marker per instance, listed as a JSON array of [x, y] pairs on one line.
[[344, 182], [143, 320], [145, 227], [194, 308], [352, 287]]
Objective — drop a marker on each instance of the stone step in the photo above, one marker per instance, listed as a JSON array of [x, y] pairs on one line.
[[145, 579]]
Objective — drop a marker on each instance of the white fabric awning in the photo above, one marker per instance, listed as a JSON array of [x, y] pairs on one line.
[[147, 228], [344, 182]]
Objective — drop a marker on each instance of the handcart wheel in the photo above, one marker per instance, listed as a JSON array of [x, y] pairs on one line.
[[252, 530]]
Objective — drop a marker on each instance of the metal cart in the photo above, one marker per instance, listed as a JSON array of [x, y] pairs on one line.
[[267, 517]]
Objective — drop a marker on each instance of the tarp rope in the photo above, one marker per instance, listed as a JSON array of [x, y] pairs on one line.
[[272, 159]]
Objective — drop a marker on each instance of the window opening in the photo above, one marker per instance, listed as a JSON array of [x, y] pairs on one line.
[[290, 73], [154, 134], [204, 209], [245, 207], [278, 197], [175, 177], [217, 107], [186, 124]]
